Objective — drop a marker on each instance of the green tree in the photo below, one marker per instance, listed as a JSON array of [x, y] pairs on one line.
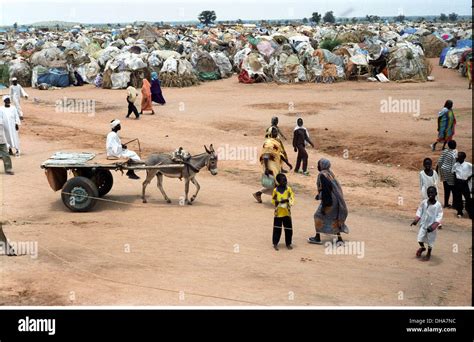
[[443, 17], [372, 18], [15, 26], [354, 20], [400, 18], [316, 17], [207, 17], [329, 17], [453, 17], [421, 19], [305, 20], [239, 21]]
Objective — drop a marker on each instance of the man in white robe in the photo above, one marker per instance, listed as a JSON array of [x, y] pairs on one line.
[[115, 148], [7, 162], [13, 123], [16, 93]]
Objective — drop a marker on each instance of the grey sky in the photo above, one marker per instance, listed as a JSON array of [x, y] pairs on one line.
[[105, 11]]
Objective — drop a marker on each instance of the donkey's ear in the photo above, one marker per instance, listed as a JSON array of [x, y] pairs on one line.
[[211, 148], [206, 149]]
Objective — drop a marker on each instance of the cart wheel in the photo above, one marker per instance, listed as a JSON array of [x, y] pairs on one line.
[[104, 180], [78, 192]]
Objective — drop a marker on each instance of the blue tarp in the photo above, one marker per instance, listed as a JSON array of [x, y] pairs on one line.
[[443, 55], [464, 43], [55, 78], [408, 30]]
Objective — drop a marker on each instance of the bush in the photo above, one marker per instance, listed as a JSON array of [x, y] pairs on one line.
[[4, 75], [329, 44]]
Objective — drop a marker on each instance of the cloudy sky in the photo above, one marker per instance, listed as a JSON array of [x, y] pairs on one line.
[[105, 11]]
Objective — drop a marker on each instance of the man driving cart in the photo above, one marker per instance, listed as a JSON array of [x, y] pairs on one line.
[[115, 148]]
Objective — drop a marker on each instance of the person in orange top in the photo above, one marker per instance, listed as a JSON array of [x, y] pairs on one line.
[[146, 97]]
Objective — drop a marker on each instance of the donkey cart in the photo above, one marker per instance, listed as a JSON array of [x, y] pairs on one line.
[[91, 176]]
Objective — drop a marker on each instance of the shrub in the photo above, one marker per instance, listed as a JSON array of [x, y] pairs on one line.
[[329, 44]]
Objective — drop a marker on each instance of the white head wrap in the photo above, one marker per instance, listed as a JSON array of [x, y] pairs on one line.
[[114, 123]]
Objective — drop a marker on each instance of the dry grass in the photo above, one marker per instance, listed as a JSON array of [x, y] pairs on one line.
[[376, 180]]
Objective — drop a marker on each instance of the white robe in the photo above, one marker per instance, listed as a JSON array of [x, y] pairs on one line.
[[11, 134], [114, 148], [428, 215], [17, 92], [427, 181], [4, 131]]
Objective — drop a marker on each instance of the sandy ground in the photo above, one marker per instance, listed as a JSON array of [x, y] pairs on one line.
[[218, 251]]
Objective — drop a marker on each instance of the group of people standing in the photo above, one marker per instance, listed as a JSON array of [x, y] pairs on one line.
[[331, 214], [455, 172], [151, 92], [456, 175]]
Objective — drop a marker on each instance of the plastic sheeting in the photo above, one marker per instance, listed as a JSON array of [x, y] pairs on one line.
[[359, 59], [120, 79], [240, 56], [107, 53], [444, 52], [465, 43], [126, 61], [406, 61], [177, 73], [89, 71], [55, 78], [37, 70], [287, 69], [453, 57], [50, 58], [21, 70], [223, 63]]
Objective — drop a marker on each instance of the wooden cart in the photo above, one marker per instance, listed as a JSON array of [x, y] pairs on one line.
[[92, 177]]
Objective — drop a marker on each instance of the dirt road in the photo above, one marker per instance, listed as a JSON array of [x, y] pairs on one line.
[[218, 251]]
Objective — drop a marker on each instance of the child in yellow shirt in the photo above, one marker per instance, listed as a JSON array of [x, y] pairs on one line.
[[283, 199]]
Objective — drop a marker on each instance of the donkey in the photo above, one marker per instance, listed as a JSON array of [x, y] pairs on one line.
[[188, 172]]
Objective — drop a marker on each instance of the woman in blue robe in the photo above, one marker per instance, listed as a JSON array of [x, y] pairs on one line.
[[156, 94]]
